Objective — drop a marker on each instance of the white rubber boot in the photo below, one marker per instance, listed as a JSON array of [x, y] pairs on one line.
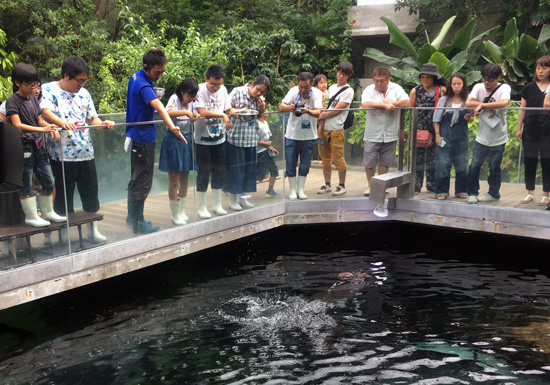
[[217, 202], [31, 215], [292, 183], [244, 203], [300, 187], [175, 207], [202, 211], [233, 204], [46, 207], [182, 209], [93, 232]]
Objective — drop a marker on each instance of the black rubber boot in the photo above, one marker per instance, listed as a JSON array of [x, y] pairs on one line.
[[139, 225]]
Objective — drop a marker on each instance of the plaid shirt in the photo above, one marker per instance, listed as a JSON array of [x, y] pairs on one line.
[[242, 134]]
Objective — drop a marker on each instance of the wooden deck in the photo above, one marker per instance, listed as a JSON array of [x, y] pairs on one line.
[[157, 211]]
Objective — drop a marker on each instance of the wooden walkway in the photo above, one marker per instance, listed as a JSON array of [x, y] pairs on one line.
[[157, 211]]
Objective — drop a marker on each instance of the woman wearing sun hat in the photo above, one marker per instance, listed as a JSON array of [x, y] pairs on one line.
[[425, 95]]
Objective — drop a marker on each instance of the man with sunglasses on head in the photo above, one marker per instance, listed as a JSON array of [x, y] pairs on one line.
[[67, 104], [141, 104]]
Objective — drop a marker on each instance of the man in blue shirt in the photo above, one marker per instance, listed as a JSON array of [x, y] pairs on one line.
[[140, 107]]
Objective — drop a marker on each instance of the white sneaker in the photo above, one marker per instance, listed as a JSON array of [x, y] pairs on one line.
[[487, 198], [324, 189], [472, 199]]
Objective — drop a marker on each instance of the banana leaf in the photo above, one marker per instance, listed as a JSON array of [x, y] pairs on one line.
[[544, 36], [398, 38], [443, 32], [494, 50], [424, 54], [456, 63], [511, 32], [473, 77], [441, 61], [381, 57], [527, 50]]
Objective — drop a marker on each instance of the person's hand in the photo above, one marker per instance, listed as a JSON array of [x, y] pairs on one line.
[[177, 132], [519, 134], [469, 117], [269, 143], [438, 139], [68, 126], [389, 107], [109, 123], [275, 150], [226, 122], [190, 115], [261, 104], [478, 109]]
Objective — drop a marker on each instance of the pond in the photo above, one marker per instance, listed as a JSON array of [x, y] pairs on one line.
[[420, 306]]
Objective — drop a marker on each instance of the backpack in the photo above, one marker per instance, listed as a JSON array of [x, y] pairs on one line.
[[351, 115]]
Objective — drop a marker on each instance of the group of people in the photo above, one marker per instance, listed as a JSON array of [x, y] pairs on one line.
[[232, 148], [443, 135]]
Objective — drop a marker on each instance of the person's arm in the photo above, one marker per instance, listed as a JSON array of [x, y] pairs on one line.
[[313, 112], [50, 117], [265, 143], [45, 128], [285, 107], [438, 137], [157, 105], [521, 116], [547, 101], [107, 124], [176, 113], [412, 98], [4, 118], [207, 114]]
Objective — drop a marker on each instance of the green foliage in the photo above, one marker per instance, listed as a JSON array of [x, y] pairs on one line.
[[517, 54], [462, 54], [7, 61]]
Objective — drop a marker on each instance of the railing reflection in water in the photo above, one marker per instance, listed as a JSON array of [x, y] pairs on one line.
[[113, 172]]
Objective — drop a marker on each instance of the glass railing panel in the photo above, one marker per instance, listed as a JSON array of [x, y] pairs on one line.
[[25, 235]]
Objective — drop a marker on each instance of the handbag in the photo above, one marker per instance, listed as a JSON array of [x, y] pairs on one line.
[[424, 138]]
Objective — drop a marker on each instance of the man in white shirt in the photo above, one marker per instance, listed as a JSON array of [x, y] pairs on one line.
[[304, 104], [331, 146], [493, 132], [381, 123]]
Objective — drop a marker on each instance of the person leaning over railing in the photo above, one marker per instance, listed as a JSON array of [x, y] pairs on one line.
[[493, 132], [381, 123], [67, 104], [141, 104], [535, 135]]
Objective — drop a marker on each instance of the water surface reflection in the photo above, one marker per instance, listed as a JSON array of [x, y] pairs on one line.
[[286, 315]]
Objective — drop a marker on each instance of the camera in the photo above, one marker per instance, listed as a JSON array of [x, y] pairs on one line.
[[298, 108]]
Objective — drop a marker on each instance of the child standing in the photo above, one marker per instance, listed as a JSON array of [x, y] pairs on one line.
[[176, 157], [266, 152], [25, 113], [452, 138]]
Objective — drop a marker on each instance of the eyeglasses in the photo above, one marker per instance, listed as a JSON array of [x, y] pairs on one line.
[[32, 84], [488, 79], [81, 82]]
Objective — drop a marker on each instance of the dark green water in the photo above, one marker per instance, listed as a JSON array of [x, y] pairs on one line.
[[438, 307]]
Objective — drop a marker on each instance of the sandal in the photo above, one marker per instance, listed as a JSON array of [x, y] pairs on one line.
[[544, 201], [462, 196], [441, 197], [528, 199]]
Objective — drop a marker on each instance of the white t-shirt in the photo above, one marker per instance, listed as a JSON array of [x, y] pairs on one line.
[[382, 126], [76, 108], [303, 127], [211, 132], [3, 108], [264, 134], [499, 134], [336, 123], [182, 122]]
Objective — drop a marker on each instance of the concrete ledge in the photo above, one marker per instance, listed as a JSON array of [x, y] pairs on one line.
[[46, 278]]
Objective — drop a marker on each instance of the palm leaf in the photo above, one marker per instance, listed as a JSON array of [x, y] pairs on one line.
[[398, 38]]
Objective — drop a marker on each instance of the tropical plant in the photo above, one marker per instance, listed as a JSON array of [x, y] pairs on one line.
[[461, 55], [7, 61], [517, 54]]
